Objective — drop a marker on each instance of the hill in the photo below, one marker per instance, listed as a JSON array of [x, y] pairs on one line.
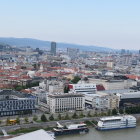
[[35, 43]]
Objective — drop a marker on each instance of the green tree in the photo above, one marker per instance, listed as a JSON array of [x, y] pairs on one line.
[[66, 89], [103, 114], [81, 115], [109, 112], [121, 111], [43, 118], [59, 116], [114, 112], [51, 118], [67, 117], [18, 88], [26, 119], [85, 79], [35, 118], [18, 120], [8, 121], [75, 80], [89, 114], [74, 116], [95, 114]]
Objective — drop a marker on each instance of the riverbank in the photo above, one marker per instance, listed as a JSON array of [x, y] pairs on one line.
[[29, 127]]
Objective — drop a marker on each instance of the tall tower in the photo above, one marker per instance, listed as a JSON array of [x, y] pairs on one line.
[[53, 48]]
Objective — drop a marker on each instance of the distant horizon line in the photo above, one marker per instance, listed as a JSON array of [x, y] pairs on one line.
[[78, 44]]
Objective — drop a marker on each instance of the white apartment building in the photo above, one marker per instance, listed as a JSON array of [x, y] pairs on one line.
[[85, 88], [62, 102]]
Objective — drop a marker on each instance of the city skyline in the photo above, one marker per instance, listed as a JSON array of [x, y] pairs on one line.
[[110, 24]]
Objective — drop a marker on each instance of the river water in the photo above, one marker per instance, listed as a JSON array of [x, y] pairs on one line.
[[122, 134]]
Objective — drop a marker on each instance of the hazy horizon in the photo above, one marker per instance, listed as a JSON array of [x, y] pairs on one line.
[[112, 24]]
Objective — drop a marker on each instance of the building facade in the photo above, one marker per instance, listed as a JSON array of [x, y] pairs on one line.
[[129, 99], [53, 48], [83, 88], [102, 101], [16, 103], [65, 101]]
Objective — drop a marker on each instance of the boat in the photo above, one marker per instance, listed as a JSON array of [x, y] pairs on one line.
[[70, 129], [116, 122]]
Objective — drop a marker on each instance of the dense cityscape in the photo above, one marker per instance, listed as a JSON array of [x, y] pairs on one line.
[[69, 70], [53, 85]]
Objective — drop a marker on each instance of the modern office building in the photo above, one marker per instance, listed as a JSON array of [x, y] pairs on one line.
[[62, 102], [16, 103], [129, 99], [53, 48]]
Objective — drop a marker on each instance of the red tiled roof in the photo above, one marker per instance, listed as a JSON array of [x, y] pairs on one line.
[[100, 87], [133, 77]]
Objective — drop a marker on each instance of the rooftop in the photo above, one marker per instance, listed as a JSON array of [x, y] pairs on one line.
[[36, 135], [61, 95], [16, 93]]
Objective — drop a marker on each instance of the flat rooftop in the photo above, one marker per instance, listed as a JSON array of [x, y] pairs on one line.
[[36, 135]]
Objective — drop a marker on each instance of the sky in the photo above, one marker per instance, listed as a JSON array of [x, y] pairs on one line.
[[107, 23]]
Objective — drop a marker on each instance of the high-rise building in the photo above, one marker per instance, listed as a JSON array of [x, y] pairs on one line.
[[53, 48]]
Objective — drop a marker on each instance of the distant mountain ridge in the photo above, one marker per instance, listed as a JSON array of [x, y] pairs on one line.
[[35, 43]]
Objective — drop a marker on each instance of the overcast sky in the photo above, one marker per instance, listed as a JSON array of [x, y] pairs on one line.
[[110, 23]]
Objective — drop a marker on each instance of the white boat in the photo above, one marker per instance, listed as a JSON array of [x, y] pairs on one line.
[[116, 122]]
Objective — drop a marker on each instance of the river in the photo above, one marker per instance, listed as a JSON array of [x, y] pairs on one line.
[[122, 134]]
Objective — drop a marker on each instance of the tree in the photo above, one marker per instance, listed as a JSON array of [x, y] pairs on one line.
[[89, 114], [85, 79], [18, 88], [109, 112], [75, 79], [66, 89], [95, 114], [8, 121], [35, 118], [75, 116], [103, 114], [114, 112], [26, 119], [121, 111], [43, 118], [67, 117], [51, 118], [18, 120], [81, 115], [132, 110], [59, 116]]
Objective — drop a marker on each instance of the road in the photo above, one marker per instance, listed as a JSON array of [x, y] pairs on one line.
[[45, 124], [53, 123]]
